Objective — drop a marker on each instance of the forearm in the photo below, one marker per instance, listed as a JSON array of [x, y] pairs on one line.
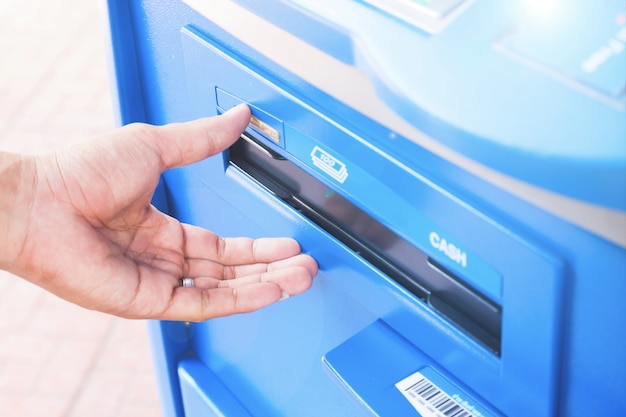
[[17, 184]]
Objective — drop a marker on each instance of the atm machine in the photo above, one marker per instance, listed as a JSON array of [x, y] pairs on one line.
[[456, 167]]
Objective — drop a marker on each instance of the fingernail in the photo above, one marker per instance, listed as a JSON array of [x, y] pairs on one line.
[[284, 296]]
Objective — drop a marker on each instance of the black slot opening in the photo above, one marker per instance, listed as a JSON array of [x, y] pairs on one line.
[[390, 253]]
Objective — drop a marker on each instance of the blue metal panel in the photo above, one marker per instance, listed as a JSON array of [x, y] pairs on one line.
[[196, 382]]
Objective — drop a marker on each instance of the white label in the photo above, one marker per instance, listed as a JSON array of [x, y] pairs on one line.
[[431, 401]]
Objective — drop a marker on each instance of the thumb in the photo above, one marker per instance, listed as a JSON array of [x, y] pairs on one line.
[[184, 143]]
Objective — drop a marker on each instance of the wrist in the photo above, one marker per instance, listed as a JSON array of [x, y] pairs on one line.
[[17, 185]]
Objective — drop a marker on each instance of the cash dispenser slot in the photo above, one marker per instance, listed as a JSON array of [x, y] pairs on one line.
[[422, 275]]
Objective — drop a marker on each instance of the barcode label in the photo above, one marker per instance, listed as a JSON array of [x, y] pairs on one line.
[[431, 401]]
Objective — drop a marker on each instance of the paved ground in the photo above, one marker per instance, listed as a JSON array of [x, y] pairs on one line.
[[57, 359]]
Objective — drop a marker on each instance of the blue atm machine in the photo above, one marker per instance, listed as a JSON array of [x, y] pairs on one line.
[[456, 167]]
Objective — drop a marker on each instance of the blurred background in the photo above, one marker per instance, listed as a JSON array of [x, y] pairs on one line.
[[57, 359]]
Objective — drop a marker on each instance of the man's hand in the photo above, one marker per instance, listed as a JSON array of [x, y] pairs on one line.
[[84, 229]]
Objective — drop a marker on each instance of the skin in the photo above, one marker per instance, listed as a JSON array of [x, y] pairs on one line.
[[79, 223]]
